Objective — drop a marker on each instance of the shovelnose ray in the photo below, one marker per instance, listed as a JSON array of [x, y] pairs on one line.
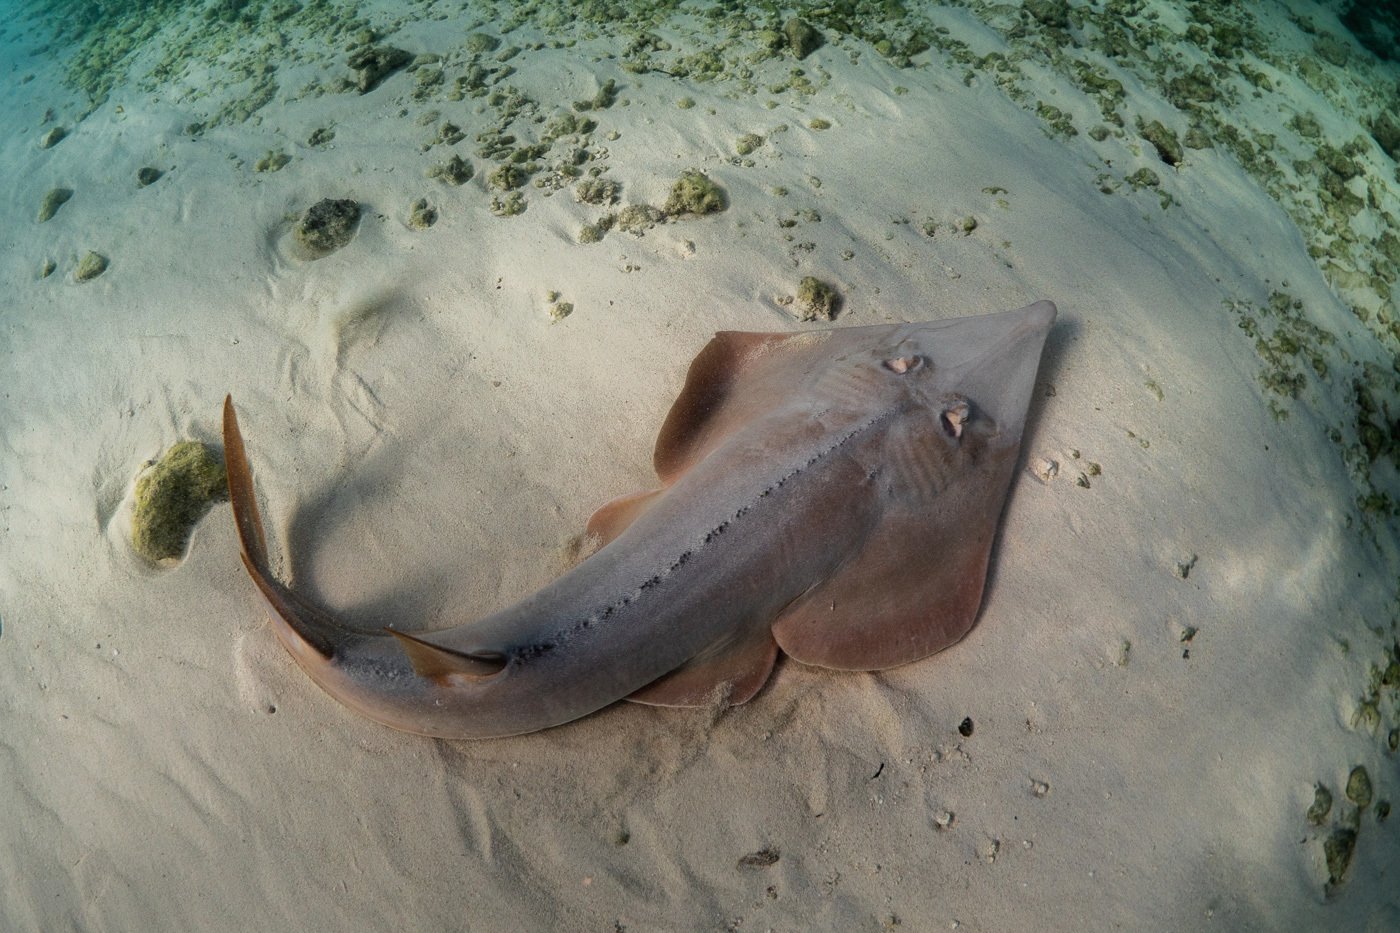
[[832, 493]]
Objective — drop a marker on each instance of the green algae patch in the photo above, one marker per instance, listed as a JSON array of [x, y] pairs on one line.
[[694, 193], [817, 300], [56, 198], [274, 160], [90, 266], [172, 496], [327, 226]]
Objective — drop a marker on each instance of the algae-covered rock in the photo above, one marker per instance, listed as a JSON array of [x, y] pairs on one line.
[[56, 198], [172, 496], [1359, 787], [1385, 129], [747, 143], [1321, 805], [1196, 138], [637, 219], [372, 65], [597, 191], [47, 269], [592, 233], [148, 176], [508, 177], [53, 137], [90, 266], [274, 160], [1143, 178], [1165, 141], [802, 38], [817, 300], [694, 193], [320, 136], [1053, 13], [1332, 50], [1338, 849], [509, 206], [479, 43], [455, 171], [327, 225], [421, 216]]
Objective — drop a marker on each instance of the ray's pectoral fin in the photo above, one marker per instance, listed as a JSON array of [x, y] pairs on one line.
[[613, 518], [731, 673], [915, 584], [736, 378]]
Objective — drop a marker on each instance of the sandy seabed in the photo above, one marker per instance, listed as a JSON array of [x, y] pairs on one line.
[[1182, 626]]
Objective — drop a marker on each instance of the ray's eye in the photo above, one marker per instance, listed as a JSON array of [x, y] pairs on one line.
[[955, 414], [900, 365]]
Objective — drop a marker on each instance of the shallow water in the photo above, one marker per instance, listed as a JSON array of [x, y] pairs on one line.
[[438, 255]]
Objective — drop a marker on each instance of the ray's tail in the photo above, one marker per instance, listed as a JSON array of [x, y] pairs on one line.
[[313, 637], [301, 627]]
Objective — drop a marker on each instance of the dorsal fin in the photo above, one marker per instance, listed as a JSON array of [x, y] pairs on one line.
[[443, 664]]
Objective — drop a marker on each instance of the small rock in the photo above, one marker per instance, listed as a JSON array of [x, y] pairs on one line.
[[1045, 470], [816, 300], [1338, 849], [272, 161], [1359, 787], [53, 137], [373, 65], [1321, 805], [172, 496], [455, 171], [327, 225], [148, 176], [802, 38], [56, 198], [694, 193], [421, 215], [1385, 129], [90, 267], [764, 858], [1054, 13]]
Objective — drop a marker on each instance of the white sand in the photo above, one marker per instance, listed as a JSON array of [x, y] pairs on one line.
[[425, 443]]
